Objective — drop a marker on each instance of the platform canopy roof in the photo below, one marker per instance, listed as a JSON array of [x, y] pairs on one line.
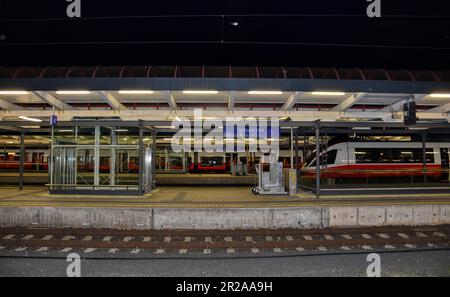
[[162, 93]]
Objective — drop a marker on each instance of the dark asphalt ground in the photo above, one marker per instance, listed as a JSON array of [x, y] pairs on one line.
[[393, 264]]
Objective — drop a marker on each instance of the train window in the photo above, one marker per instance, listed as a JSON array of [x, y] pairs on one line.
[[330, 158], [365, 155], [429, 155], [384, 155], [396, 155], [211, 161], [309, 160]]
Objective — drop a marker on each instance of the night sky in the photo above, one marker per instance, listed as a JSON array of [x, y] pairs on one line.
[[323, 33]]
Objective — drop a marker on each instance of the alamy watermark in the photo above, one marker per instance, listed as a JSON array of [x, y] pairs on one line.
[[374, 9], [234, 134], [374, 268], [74, 267], [74, 9]]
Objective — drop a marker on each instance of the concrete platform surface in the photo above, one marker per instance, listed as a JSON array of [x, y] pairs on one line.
[[208, 197]]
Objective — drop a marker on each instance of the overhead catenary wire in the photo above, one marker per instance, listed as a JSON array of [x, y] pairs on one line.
[[227, 42]]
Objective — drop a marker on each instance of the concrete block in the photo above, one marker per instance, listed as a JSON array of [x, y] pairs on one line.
[[325, 217], [399, 215], [11, 217], [343, 216], [372, 216], [58, 217], [444, 214], [297, 218], [211, 218], [426, 214]]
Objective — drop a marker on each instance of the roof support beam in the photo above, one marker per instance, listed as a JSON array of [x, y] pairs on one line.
[[112, 101], [6, 105], [53, 101], [397, 106], [349, 102], [171, 101], [11, 128], [442, 109], [164, 115], [231, 100], [290, 102]]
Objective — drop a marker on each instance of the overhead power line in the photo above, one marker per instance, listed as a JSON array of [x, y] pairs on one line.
[[230, 42]]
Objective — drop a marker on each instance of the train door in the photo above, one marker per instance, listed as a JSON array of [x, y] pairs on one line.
[[445, 166]]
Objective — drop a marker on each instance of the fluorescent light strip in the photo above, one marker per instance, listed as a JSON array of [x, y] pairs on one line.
[[13, 92], [200, 92], [73, 92], [30, 119], [328, 93], [440, 95], [136, 92], [265, 93]]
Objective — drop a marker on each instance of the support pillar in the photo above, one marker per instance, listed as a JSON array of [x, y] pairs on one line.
[[292, 148], [297, 160], [154, 156], [97, 157], [22, 159], [112, 158], [141, 158], [317, 128], [424, 157]]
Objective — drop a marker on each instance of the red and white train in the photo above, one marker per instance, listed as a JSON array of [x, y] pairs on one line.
[[362, 159], [345, 159]]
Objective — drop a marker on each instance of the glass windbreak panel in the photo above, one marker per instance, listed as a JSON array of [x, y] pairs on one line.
[[85, 166], [126, 171], [65, 135], [85, 136], [176, 162]]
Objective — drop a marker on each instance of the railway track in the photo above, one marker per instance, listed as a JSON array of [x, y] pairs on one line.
[[89, 241]]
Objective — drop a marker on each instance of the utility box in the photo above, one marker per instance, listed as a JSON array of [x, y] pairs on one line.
[[291, 181]]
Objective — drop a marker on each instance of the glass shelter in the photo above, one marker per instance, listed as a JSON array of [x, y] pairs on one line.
[[101, 159]]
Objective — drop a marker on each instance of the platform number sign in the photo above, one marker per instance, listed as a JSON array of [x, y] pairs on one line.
[[53, 120]]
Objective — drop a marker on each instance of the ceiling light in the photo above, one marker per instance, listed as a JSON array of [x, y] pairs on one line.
[[440, 95], [136, 92], [121, 130], [13, 92], [265, 93], [73, 92], [328, 93], [200, 92], [30, 119]]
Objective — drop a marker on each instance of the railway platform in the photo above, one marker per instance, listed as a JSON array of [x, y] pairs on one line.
[[226, 208]]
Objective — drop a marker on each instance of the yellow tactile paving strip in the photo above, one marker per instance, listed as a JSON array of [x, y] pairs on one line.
[[206, 197]]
